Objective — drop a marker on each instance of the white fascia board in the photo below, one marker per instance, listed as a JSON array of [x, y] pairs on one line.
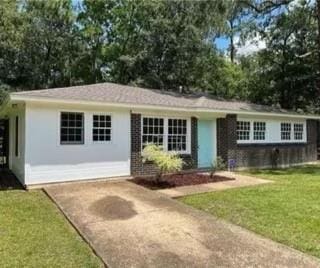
[[20, 98]]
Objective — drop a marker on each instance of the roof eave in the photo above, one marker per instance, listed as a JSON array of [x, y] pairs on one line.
[[23, 98]]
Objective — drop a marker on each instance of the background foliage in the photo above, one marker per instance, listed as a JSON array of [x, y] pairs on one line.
[[168, 45]]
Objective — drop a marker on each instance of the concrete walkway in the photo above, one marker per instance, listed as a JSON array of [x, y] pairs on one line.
[[130, 226], [239, 181]]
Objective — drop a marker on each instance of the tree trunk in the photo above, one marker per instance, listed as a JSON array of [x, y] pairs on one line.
[[232, 48]]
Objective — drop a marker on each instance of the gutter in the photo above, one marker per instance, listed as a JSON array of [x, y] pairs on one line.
[[18, 97]]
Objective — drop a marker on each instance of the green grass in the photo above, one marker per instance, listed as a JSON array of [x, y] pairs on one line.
[[34, 233], [287, 211]]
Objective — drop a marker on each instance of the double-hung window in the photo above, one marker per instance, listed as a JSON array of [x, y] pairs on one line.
[[169, 133], [152, 131], [259, 131], [285, 131], [177, 135], [71, 128], [243, 130], [101, 130], [298, 131]]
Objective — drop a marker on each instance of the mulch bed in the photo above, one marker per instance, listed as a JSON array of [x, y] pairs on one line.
[[176, 180]]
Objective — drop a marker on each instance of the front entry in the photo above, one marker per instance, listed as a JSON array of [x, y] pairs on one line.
[[206, 143]]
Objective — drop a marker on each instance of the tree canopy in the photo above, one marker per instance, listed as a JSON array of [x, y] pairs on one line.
[[168, 45]]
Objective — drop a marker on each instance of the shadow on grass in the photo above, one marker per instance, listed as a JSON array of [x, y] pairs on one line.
[[302, 170], [8, 181]]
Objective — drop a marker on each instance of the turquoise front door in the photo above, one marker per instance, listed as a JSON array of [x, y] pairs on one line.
[[206, 141]]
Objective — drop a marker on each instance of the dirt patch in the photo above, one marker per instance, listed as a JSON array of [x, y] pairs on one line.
[[113, 208], [176, 180]]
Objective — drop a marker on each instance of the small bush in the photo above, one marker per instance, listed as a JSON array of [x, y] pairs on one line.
[[217, 165], [164, 161]]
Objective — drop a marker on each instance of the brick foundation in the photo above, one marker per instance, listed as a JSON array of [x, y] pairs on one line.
[[140, 168]]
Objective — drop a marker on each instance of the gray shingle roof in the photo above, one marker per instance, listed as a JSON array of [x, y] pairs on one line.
[[115, 93]]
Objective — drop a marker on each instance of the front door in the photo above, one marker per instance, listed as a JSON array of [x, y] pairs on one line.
[[206, 141]]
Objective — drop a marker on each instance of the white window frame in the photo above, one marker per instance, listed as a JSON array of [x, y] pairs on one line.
[[251, 139], [83, 128], [92, 127], [165, 132], [176, 135], [300, 132], [273, 131], [259, 131], [153, 135], [292, 136], [290, 132], [244, 130]]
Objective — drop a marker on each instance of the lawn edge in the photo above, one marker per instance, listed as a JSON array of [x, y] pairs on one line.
[[83, 237]]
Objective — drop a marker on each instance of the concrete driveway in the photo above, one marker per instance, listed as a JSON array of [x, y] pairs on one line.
[[130, 226]]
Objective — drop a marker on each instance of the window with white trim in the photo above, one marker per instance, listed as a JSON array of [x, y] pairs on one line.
[[177, 135], [71, 128], [259, 131], [243, 130], [152, 131], [101, 130], [298, 131], [173, 134], [285, 131]]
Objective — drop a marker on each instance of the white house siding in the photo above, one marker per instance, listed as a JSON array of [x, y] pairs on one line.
[[273, 129], [49, 161], [16, 163]]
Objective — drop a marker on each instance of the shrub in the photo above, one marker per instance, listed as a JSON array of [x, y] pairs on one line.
[[164, 161], [217, 165]]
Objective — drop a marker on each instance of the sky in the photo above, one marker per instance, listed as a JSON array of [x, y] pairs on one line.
[[250, 46], [222, 43]]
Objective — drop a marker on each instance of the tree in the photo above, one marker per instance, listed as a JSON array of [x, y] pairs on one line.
[[48, 43], [288, 73], [318, 42], [235, 15], [11, 36], [95, 29], [167, 45], [159, 42]]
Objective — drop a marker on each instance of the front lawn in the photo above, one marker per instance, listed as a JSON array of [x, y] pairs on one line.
[[34, 233], [287, 211]]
